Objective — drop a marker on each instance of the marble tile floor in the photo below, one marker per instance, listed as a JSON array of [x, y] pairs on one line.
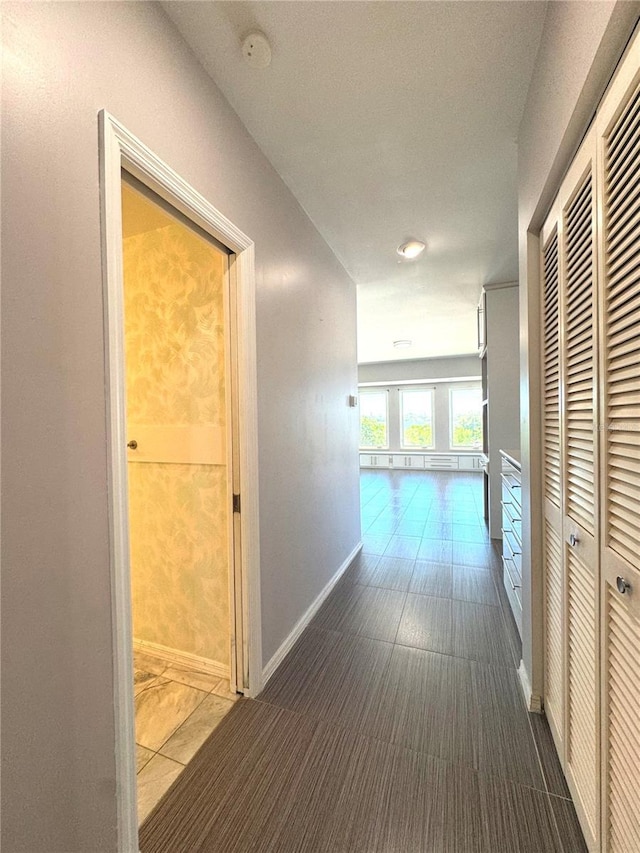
[[177, 708]]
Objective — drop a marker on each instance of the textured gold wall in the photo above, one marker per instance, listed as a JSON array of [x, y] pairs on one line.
[[174, 322]]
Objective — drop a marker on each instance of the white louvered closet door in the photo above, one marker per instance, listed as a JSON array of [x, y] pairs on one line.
[[591, 465], [618, 126], [571, 552], [552, 483], [579, 404]]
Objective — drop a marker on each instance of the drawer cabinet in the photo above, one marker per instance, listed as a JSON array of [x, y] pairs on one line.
[[408, 461], [512, 534], [375, 460], [441, 461], [469, 463], [420, 461]]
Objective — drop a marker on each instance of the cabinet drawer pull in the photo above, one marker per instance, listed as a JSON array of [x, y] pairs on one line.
[[507, 534]]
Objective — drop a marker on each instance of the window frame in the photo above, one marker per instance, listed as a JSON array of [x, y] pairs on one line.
[[463, 447], [371, 393], [431, 392]]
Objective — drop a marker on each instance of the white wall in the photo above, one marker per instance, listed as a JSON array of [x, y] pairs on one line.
[[503, 392], [62, 64], [580, 46], [418, 369]]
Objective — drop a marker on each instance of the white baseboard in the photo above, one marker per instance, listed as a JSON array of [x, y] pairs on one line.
[[533, 701], [306, 617], [184, 659]]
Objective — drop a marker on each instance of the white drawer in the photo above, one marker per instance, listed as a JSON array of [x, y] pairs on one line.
[[512, 490], [513, 589], [512, 519], [441, 461], [512, 551]]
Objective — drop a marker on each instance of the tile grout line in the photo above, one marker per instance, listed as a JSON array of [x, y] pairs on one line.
[[183, 722], [499, 666], [358, 733], [188, 717], [404, 607], [545, 778], [504, 620]]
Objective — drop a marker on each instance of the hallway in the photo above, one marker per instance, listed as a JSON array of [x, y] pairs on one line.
[[396, 723]]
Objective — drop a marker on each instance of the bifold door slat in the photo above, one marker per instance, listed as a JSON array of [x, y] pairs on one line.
[[622, 742], [581, 676], [551, 358]]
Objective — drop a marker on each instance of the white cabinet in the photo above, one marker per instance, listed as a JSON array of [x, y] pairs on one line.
[[482, 324], [470, 463], [512, 532], [420, 461], [407, 461], [375, 460]]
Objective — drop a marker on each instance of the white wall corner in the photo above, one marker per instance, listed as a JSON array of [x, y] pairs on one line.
[[532, 700], [306, 617]]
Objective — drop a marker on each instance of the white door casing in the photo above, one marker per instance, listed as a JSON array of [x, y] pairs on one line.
[[120, 150]]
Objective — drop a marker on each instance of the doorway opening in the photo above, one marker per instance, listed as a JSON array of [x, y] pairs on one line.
[[179, 368], [182, 422]]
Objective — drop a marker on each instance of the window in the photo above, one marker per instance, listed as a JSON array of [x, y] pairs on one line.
[[465, 418], [416, 418], [373, 419]]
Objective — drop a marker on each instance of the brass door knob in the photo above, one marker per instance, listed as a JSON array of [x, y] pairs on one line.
[[132, 445]]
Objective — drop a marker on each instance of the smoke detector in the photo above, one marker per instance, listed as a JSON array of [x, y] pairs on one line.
[[257, 50]]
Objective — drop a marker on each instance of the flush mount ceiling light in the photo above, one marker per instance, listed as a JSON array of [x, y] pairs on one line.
[[411, 249], [400, 344], [257, 50]]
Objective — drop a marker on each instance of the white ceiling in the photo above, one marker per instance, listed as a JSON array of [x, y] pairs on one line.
[[389, 120]]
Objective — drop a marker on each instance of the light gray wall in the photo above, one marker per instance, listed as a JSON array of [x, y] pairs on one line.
[[503, 390], [62, 64], [580, 46], [419, 368]]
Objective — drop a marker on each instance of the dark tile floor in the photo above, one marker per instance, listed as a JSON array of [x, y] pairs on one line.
[[396, 723]]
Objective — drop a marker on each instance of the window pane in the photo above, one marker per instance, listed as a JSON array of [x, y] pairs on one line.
[[466, 417], [417, 418], [373, 419]]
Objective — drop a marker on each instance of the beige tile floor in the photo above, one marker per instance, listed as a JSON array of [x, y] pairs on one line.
[[176, 711]]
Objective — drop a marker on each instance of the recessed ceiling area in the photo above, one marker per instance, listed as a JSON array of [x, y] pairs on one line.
[[389, 121]]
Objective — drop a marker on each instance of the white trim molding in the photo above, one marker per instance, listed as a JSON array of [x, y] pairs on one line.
[[120, 149], [185, 660], [438, 381], [532, 700], [306, 617]]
